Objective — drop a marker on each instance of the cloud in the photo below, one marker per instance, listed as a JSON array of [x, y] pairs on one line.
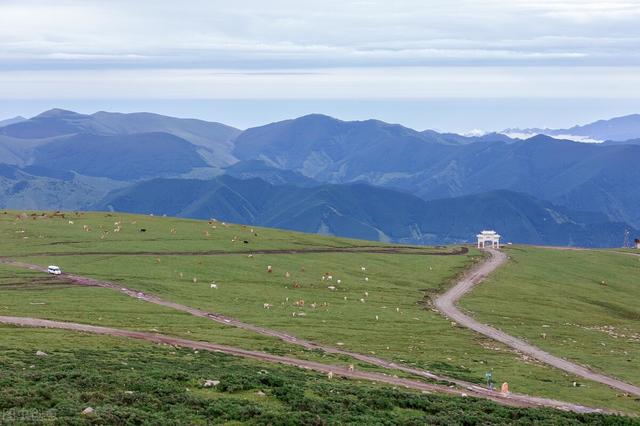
[[425, 47], [285, 33]]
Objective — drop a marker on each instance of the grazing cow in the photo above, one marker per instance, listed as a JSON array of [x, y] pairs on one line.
[[246, 242], [195, 280], [366, 294], [330, 375], [366, 279], [363, 269], [214, 286], [267, 305], [143, 230], [339, 281], [331, 287], [269, 269], [287, 274], [362, 300], [351, 367]]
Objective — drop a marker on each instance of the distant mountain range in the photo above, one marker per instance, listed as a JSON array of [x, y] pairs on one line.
[[212, 140], [366, 179], [367, 212], [600, 178], [616, 129]]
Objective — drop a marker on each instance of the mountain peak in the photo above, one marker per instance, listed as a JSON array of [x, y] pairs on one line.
[[317, 117], [542, 138], [58, 113], [14, 120]]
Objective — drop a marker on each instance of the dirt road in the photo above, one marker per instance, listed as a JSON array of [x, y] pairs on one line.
[[515, 400], [446, 304], [288, 338], [317, 250]]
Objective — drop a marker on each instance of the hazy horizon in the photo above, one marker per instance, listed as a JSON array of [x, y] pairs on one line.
[[444, 115]]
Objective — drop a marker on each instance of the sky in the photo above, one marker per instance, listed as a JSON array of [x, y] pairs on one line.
[[454, 65]]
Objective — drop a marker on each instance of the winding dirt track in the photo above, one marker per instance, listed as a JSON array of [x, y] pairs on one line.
[[446, 304], [511, 399], [514, 400]]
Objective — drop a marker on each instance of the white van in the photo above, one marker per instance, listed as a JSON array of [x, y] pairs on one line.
[[54, 270]]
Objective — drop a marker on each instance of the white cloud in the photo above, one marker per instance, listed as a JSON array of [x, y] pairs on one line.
[[425, 47], [289, 33]]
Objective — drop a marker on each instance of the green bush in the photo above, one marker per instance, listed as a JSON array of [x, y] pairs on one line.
[[137, 387]]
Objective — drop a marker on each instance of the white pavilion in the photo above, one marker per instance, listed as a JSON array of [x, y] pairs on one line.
[[488, 237]]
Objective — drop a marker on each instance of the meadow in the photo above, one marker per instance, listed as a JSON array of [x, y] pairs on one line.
[[382, 310], [579, 304]]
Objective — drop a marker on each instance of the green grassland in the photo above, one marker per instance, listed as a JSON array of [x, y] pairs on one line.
[[406, 329], [135, 383], [26, 293], [36, 233], [582, 305]]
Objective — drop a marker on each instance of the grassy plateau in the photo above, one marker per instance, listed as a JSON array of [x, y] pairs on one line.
[[382, 309]]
